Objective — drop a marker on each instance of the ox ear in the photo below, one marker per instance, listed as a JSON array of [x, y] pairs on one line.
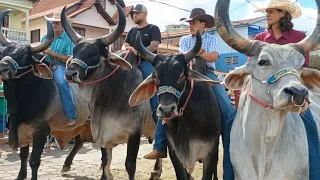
[[116, 59], [235, 80], [200, 77], [41, 70], [311, 79], [143, 92]]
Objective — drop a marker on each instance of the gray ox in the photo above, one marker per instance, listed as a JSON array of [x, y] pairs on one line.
[[106, 86], [34, 103], [270, 143]]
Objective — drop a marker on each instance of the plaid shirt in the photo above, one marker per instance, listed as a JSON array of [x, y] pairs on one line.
[[209, 43], [61, 45]]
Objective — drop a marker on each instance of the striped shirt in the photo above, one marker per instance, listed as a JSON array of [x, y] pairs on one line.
[[209, 43], [61, 45]]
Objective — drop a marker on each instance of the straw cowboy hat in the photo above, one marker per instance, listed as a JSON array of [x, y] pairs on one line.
[[56, 17], [198, 13], [285, 5]]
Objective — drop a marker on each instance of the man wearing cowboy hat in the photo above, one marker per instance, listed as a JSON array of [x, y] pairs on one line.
[[200, 20], [59, 52], [280, 31]]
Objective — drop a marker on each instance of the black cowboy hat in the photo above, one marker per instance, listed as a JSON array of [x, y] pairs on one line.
[[198, 13]]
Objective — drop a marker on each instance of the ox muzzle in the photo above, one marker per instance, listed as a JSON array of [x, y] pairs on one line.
[[9, 68], [169, 110], [74, 74], [297, 94]]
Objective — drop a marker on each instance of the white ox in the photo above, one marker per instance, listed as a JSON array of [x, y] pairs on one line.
[[270, 143]]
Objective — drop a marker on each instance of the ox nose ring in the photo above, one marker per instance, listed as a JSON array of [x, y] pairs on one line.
[[294, 102]]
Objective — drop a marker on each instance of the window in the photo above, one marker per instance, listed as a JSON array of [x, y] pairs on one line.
[[80, 31], [35, 36], [5, 22], [232, 60], [118, 44]]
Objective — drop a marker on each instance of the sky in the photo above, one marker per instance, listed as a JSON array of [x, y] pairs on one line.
[[162, 15]]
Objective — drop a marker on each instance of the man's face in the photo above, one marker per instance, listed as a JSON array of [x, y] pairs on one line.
[[196, 24], [274, 16], [139, 17], [57, 26]]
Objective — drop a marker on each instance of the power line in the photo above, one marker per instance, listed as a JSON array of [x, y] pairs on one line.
[[238, 7], [170, 5]]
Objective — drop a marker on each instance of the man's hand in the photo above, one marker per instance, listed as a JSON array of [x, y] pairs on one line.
[[202, 51], [48, 51], [132, 50]]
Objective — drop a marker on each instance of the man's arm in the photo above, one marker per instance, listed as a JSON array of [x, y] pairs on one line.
[[211, 54], [155, 39], [211, 57], [67, 53], [153, 46], [61, 57]]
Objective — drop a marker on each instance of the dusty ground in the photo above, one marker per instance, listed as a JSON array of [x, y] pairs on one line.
[[87, 163]]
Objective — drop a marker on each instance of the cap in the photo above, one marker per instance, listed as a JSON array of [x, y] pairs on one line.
[[140, 8]]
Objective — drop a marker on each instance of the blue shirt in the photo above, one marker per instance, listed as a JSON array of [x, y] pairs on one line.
[[61, 45], [209, 43]]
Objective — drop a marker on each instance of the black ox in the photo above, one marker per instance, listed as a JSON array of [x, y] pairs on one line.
[[107, 81], [34, 103], [188, 106]]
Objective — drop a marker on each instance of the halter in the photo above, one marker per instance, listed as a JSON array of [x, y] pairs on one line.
[[178, 94], [272, 79], [82, 64], [86, 68], [16, 66]]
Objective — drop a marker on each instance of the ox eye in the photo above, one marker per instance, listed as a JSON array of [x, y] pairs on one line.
[[263, 63]]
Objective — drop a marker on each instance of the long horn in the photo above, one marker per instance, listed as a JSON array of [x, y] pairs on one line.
[[144, 53], [3, 40], [74, 36], [313, 39], [189, 55], [227, 31], [111, 38], [46, 44]]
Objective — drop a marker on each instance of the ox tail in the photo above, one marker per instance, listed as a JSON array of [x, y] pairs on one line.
[[13, 133]]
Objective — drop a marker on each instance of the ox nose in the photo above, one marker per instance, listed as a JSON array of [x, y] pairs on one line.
[[69, 73], [167, 110], [299, 94]]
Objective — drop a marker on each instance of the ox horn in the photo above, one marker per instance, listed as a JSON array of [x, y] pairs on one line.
[[74, 36], [111, 38], [46, 44], [144, 52], [313, 39], [189, 55], [227, 31], [3, 40]]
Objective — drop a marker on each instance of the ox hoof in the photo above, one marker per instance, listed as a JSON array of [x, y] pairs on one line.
[[65, 168], [155, 176], [21, 178], [110, 177]]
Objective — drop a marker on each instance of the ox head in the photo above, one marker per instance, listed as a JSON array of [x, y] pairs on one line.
[[19, 57], [89, 54], [170, 77], [277, 74]]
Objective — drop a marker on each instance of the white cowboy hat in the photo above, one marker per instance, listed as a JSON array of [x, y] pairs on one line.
[[285, 5], [56, 17]]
